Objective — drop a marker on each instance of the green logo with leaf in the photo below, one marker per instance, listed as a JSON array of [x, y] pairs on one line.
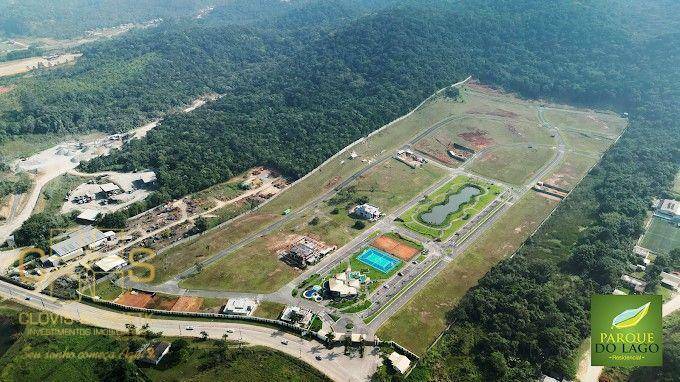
[[631, 317]]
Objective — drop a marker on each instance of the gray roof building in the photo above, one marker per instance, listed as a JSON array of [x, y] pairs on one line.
[[78, 241]]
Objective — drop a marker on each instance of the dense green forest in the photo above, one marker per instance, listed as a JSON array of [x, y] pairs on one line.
[[296, 93], [71, 18], [671, 359]]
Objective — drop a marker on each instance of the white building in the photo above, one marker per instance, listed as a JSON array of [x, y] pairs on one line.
[[367, 211], [88, 216], [340, 289], [400, 362], [110, 188], [638, 285], [305, 316], [110, 263], [670, 280], [240, 306], [77, 242], [669, 209]]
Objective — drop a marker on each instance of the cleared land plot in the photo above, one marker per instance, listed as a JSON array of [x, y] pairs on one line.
[[571, 171], [487, 119], [326, 178], [185, 255], [269, 309], [253, 268], [187, 304], [412, 219], [676, 186], [395, 247], [662, 236], [11, 68], [135, 299], [512, 164], [257, 268], [586, 141], [421, 320], [595, 123]]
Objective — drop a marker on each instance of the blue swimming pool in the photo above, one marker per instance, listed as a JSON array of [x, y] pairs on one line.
[[378, 260]]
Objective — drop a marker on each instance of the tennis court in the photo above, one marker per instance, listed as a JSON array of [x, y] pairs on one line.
[[395, 248], [378, 260]]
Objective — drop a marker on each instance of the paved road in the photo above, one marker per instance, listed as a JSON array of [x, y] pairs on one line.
[[333, 363], [416, 276], [50, 165]]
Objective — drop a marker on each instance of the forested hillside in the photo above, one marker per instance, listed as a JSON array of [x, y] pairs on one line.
[[297, 93], [71, 18]]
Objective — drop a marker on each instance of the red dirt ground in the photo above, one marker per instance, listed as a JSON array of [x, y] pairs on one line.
[[496, 113], [477, 138], [135, 299], [187, 304], [162, 303], [394, 247], [333, 182]]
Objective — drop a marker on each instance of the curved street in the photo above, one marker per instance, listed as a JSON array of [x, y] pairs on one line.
[[333, 363]]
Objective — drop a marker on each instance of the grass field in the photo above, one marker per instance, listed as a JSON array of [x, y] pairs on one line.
[[512, 164], [602, 124], [106, 291], [256, 267], [58, 355], [572, 169], [26, 145], [425, 313], [269, 309], [676, 186], [328, 176], [587, 142], [257, 364], [185, 255], [410, 219], [661, 236], [53, 194]]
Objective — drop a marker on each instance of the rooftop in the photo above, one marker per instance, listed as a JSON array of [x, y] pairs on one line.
[[244, 306], [670, 206], [400, 362], [109, 263], [78, 240], [109, 187], [88, 215], [154, 352]]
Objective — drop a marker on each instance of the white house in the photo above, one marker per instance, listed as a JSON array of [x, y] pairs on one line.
[[240, 306], [400, 362], [669, 209], [367, 211], [305, 315], [670, 280], [110, 263], [638, 285]]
